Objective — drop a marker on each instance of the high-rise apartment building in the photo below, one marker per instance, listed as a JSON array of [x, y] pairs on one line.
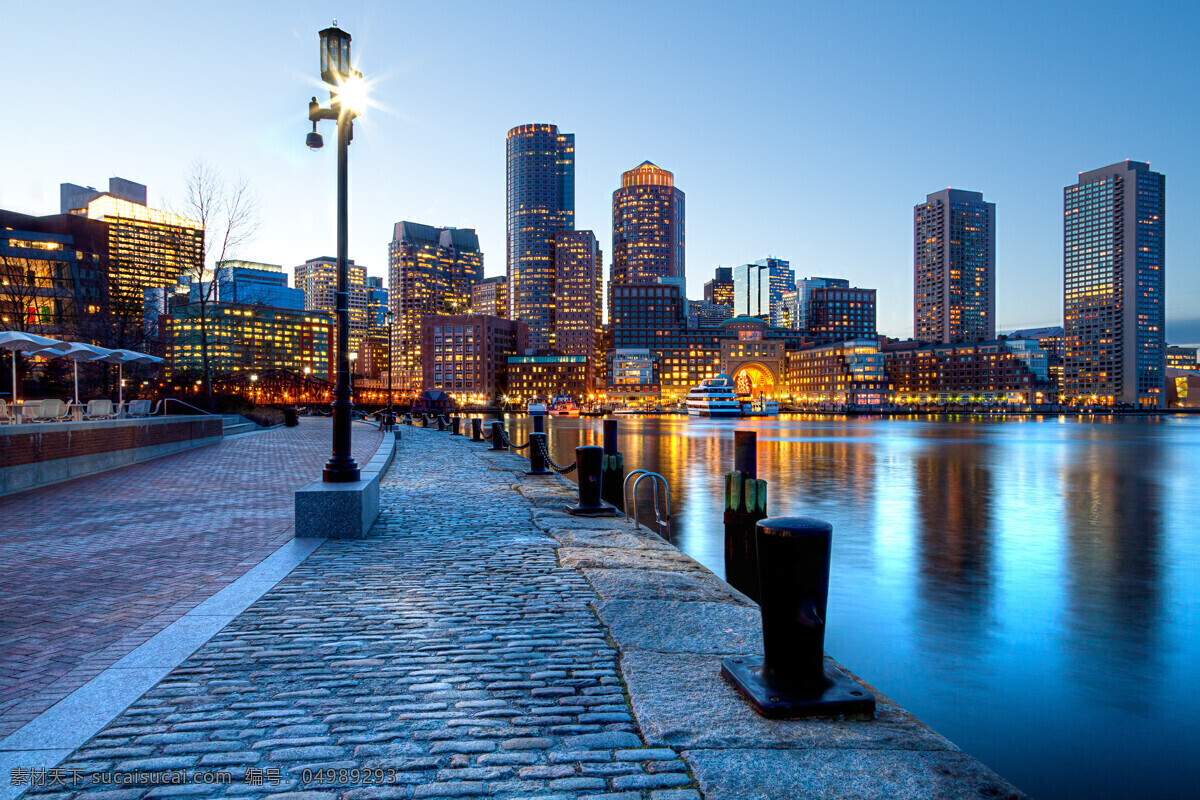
[[579, 299], [954, 267], [490, 296], [719, 291], [431, 271], [648, 226], [837, 314], [758, 289], [1114, 249], [317, 278], [540, 203], [804, 289]]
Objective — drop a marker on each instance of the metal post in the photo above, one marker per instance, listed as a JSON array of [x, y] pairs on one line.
[[537, 462], [792, 679], [341, 467], [454, 422], [589, 461], [390, 415], [498, 436], [441, 423], [745, 504], [614, 466], [539, 423], [476, 429]]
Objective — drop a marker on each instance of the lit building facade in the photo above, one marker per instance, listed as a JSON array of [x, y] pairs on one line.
[[254, 283], [963, 372], [377, 304], [431, 271], [719, 291], [804, 290], [579, 299], [547, 377], [954, 267], [490, 297], [1049, 339], [1114, 253], [540, 202], [317, 278], [466, 355], [634, 377], [840, 314], [647, 226], [1181, 357], [845, 375], [702, 314], [249, 339], [758, 289]]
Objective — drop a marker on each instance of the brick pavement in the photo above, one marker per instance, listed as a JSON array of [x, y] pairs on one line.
[[449, 650], [92, 568]]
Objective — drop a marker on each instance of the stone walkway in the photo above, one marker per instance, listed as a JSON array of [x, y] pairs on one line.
[[92, 568]]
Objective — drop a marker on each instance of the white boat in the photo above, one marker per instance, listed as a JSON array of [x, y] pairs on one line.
[[714, 397], [763, 407], [536, 408], [563, 406]]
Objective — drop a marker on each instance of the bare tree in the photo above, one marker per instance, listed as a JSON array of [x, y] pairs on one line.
[[229, 212]]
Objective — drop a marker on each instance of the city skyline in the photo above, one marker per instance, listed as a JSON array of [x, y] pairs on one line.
[[843, 142]]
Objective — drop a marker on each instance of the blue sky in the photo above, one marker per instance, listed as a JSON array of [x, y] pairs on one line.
[[803, 131]]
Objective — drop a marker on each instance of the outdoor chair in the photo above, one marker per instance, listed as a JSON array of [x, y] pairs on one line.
[[4, 415], [51, 410], [99, 409], [138, 408]]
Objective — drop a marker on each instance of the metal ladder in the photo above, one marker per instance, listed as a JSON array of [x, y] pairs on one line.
[[662, 521]]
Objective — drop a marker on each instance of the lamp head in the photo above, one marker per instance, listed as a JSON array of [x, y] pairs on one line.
[[314, 141]]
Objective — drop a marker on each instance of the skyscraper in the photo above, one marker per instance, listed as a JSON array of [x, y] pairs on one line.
[[954, 267], [540, 203], [648, 226], [431, 271], [579, 296], [719, 291], [490, 297], [758, 289], [804, 290], [317, 277], [1114, 248]]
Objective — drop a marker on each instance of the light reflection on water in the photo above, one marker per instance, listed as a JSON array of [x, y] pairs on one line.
[[1030, 588]]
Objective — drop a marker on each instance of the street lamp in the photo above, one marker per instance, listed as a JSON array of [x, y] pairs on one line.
[[388, 318], [345, 87]]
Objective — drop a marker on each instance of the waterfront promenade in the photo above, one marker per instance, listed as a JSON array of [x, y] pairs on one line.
[[483, 643]]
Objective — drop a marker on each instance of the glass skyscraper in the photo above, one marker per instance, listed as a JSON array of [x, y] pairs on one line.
[[540, 203], [1114, 248], [759, 288], [648, 226], [954, 268]]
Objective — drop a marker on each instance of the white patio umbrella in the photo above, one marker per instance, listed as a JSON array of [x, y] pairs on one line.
[[121, 358], [76, 351], [19, 340]]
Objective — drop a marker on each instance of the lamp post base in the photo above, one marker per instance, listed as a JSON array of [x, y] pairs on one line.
[[346, 471]]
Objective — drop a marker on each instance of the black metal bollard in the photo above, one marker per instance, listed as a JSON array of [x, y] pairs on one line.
[[614, 467], [539, 423], [792, 679], [590, 466], [441, 423], [498, 436], [476, 429], [745, 505], [537, 462], [454, 423]]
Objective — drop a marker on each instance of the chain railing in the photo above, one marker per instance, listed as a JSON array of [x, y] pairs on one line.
[[508, 442], [550, 461]]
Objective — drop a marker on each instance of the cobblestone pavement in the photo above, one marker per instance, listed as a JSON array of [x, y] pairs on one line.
[[92, 568], [448, 651]]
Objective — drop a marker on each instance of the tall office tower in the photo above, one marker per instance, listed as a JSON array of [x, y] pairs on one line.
[[758, 289], [719, 291], [490, 297], [579, 297], [838, 314], [954, 268], [648, 226], [147, 248], [317, 277], [804, 290], [541, 202], [377, 304], [1114, 248], [431, 271], [251, 283]]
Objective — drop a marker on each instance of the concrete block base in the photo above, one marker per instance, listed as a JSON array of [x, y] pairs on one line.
[[344, 510]]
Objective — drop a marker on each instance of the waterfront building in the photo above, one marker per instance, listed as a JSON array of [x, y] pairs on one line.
[[1114, 252], [1031, 353], [1183, 387], [546, 377], [634, 377], [147, 248], [540, 183], [804, 290], [377, 305], [647, 226], [1049, 339], [53, 273], [954, 267], [960, 372], [248, 339], [719, 291], [579, 300], [431, 271], [254, 283], [758, 289], [490, 297], [1181, 357], [317, 278], [466, 355], [848, 374], [753, 359], [838, 314]]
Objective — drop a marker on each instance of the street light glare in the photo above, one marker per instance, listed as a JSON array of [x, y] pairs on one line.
[[352, 94]]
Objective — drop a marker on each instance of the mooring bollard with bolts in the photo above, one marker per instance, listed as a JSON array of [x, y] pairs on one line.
[[745, 504], [589, 463], [476, 429], [792, 679], [498, 436], [454, 423], [537, 461], [614, 467]]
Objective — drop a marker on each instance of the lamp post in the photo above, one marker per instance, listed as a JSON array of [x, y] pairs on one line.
[[388, 318], [345, 85]]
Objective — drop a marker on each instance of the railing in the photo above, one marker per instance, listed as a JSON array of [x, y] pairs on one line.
[[163, 404], [662, 521]]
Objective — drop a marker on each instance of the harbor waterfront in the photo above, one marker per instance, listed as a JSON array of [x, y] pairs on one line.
[[1027, 586]]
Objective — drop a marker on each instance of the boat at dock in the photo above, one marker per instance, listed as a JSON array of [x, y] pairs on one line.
[[563, 406], [714, 397]]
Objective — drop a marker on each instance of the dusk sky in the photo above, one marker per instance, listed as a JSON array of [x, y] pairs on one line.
[[796, 130]]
